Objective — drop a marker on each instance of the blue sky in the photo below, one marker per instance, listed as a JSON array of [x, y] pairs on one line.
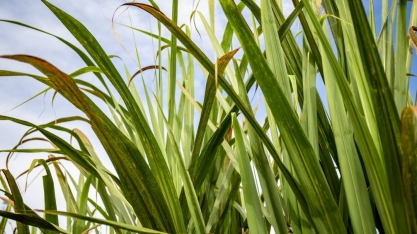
[[96, 16]]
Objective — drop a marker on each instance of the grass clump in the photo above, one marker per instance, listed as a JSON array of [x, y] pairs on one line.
[[182, 166]]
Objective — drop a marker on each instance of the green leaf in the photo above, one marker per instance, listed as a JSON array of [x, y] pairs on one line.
[[401, 82], [209, 98], [49, 194], [102, 221], [349, 163], [253, 208], [409, 162], [32, 221], [19, 206], [82, 205]]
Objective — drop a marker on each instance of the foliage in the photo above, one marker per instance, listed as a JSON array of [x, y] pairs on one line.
[[312, 167]]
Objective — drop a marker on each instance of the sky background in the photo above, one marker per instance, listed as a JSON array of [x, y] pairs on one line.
[[96, 16]]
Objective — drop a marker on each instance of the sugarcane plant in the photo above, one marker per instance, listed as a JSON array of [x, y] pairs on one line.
[[299, 165]]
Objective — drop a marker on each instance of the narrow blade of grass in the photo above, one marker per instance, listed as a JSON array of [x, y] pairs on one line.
[[409, 162], [32, 221], [253, 209], [400, 86], [49, 194], [19, 206], [102, 221]]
